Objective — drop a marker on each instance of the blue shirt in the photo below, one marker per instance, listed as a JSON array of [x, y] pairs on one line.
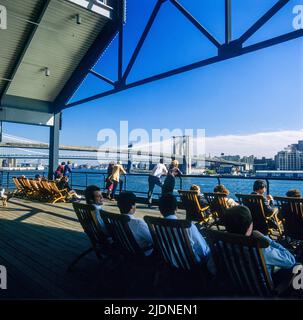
[[67, 170], [200, 247], [276, 256]]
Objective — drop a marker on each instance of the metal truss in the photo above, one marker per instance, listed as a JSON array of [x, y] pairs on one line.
[[227, 50]]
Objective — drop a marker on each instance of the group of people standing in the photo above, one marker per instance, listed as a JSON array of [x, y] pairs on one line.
[[63, 170], [155, 176], [115, 170]]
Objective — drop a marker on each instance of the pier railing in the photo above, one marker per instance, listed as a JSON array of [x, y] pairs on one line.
[[138, 182]]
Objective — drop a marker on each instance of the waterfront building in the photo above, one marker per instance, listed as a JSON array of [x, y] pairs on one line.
[[291, 158]]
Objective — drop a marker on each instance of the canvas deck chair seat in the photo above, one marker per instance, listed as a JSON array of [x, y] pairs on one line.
[[268, 225], [98, 239], [172, 243], [240, 264], [291, 213], [193, 208]]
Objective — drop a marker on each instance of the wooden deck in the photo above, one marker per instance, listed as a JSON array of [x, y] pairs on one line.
[[37, 243]]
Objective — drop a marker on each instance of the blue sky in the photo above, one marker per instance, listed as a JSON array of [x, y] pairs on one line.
[[257, 93]]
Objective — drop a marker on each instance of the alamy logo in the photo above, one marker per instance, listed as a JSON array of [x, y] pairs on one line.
[[298, 19], [297, 281], [3, 278], [3, 18]]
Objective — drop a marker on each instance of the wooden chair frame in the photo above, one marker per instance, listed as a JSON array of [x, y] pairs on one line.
[[99, 241], [291, 212], [240, 262], [191, 203], [218, 205], [261, 221]]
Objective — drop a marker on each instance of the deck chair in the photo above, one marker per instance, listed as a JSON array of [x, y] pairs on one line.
[[19, 188], [218, 205], [29, 192], [191, 203], [291, 210], [261, 222], [240, 264], [58, 195], [117, 225], [171, 242], [99, 240]]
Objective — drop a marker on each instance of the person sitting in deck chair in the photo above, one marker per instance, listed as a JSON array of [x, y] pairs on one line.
[[220, 188], [279, 261], [93, 196], [259, 187], [202, 200], [127, 205], [293, 193], [168, 207], [63, 184]]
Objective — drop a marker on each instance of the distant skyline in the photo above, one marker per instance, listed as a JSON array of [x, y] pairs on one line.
[[252, 104]]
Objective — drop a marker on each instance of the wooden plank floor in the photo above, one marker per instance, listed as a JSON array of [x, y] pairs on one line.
[[37, 243]]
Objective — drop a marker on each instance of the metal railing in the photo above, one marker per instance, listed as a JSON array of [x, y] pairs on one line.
[[79, 180]]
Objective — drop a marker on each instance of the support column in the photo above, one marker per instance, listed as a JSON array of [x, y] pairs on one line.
[[54, 145]]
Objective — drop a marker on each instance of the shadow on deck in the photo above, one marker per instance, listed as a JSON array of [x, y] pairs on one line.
[[39, 241]]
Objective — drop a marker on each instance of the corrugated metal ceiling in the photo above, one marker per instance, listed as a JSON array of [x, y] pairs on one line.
[[59, 43]]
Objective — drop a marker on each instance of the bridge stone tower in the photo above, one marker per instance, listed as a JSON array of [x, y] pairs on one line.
[[181, 149]]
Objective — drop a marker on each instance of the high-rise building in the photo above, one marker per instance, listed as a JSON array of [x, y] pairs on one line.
[[291, 158]]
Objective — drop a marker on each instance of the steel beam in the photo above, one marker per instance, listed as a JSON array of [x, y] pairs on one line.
[[142, 39], [100, 76], [196, 23], [228, 22], [54, 146], [222, 57], [265, 18]]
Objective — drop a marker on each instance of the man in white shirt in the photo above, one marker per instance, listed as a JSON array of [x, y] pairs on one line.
[[155, 179], [168, 207], [127, 205]]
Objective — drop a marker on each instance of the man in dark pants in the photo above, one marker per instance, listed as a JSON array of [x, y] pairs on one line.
[[155, 179]]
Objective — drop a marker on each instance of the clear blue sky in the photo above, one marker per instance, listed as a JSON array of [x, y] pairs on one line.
[[258, 92]]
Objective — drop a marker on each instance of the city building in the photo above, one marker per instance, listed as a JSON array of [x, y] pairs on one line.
[[291, 158]]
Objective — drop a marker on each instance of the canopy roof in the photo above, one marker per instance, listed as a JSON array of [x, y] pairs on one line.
[[46, 45]]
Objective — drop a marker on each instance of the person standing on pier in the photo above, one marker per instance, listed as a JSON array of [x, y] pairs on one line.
[[170, 181], [109, 183], [115, 178], [59, 171], [154, 178], [67, 169]]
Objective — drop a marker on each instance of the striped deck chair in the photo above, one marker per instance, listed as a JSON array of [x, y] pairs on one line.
[[240, 263]]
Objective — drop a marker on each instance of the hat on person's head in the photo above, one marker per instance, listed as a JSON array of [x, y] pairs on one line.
[[237, 219]]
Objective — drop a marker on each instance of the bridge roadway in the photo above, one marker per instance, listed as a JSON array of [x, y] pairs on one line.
[[107, 151]]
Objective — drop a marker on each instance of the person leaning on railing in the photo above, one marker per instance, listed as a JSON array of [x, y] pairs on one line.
[[170, 181]]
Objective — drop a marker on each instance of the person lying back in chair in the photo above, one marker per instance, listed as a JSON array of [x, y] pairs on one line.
[[239, 220], [127, 205], [168, 207], [93, 196]]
